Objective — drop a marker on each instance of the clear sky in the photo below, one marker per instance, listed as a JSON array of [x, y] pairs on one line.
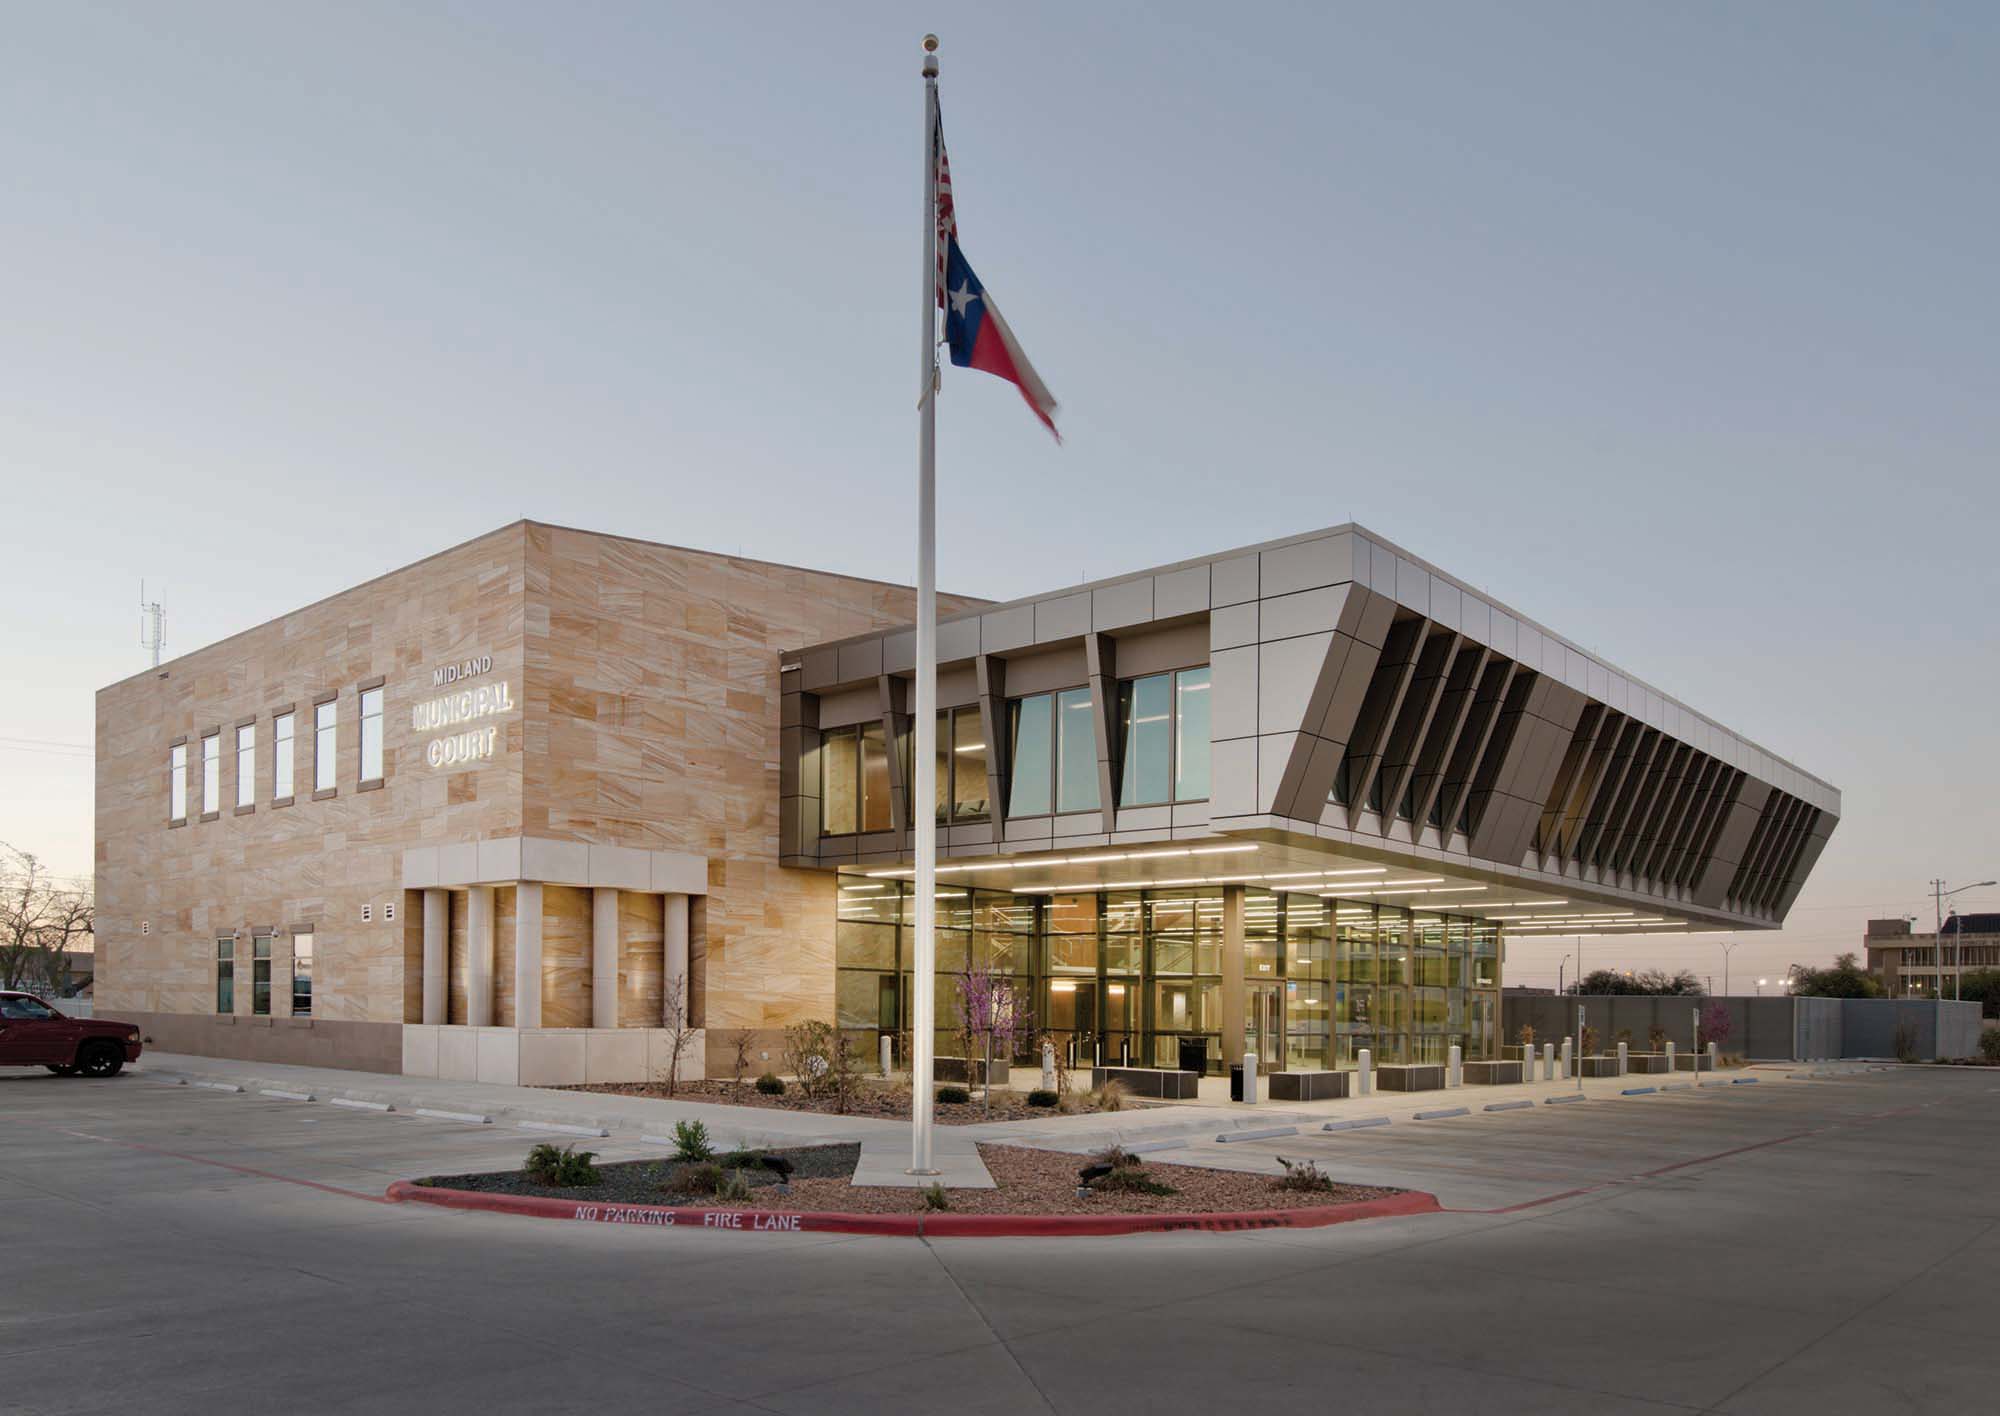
[[1673, 326]]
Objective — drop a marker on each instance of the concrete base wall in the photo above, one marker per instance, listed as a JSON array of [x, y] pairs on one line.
[[1767, 1029], [302, 1042], [544, 1057]]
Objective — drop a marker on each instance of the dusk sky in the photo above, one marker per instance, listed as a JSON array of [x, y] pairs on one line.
[[1672, 326]]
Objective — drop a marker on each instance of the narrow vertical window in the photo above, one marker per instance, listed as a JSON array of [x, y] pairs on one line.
[[177, 782], [371, 735], [1028, 793], [1145, 717], [874, 779], [323, 747], [302, 974], [246, 765], [839, 778], [281, 757], [968, 766], [211, 774], [260, 975], [1076, 752], [1191, 702], [225, 975]]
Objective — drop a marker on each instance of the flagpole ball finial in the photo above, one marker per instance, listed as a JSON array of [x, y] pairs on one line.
[[930, 56], [930, 44]]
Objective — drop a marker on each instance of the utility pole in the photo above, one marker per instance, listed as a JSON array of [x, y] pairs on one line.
[[151, 619], [1938, 896]]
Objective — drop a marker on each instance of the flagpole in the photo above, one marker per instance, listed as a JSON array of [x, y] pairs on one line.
[[923, 768]]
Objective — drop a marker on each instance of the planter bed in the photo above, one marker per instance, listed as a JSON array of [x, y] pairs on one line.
[[1411, 1077], [1646, 1062], [1162, 1083], [1027, 1182], [1489, 1074], [1308, 1086], [871, 1098], [1599, 1067]]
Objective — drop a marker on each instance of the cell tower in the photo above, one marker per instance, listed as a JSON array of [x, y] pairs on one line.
[[151, 617]]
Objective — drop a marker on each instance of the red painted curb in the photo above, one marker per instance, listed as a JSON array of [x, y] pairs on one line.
[[912, 1225]]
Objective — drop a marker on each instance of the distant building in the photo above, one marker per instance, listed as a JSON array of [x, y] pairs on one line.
[[1907, 962]]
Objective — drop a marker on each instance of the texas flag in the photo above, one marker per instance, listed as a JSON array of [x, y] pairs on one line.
[[978, 337]]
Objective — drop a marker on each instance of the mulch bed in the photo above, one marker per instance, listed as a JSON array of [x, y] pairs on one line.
[[1029, 1182], [871, 1099]]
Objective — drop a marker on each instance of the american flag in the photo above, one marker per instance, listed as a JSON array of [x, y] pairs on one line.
[[947, 215]]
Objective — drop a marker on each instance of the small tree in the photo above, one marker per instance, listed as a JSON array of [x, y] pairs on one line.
[[808, 1053], [990, 1013], [740, 1043], [1715, 1025], [679, 1028], [1656, 1038], [1846, 979]]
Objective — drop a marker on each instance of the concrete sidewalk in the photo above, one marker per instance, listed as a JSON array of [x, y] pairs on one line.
[[885, 1145]]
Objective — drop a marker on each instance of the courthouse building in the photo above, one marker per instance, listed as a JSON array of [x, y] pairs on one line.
[[495, 814]]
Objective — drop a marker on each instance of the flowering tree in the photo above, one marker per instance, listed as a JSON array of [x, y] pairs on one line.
[[1715, 1024], [992, 1012]]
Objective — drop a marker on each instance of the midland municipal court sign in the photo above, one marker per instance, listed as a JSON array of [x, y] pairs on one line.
[[464, 709]]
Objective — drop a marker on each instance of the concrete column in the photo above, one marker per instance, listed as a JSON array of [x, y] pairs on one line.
[[479, 956], [528, 954], [604, 957], [437, 954], [1233, 1001], [677, 948]]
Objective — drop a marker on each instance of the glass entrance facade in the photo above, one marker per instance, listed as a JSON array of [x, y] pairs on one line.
[[1135, 977]]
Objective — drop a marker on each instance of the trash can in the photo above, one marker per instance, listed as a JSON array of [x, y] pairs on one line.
[[1236, 1082], [1194, 1055]]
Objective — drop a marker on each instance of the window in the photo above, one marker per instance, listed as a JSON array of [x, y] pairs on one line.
[[1163, 738], [246, 765], [854, 781], [211, 774], [225, 975], [177, 782], [961, 766], [281, 757], [1055, 754], [371, 735], [323, 746], [24, 1009], [260, 975], [302, 974]]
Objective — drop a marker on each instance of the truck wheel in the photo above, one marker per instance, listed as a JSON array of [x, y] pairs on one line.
[[101, 1059], [65, 1070]]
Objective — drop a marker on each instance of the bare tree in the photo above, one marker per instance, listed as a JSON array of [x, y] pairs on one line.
[[39, 922], [741, 1041], [679, 1028]]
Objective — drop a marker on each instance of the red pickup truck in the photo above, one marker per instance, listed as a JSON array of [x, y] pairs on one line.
[[32, 1034]]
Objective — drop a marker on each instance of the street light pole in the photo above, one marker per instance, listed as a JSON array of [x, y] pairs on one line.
[[1728, 948], [1938, 896]]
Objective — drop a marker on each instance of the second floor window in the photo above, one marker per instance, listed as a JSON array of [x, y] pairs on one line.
[[854, 780], [177, 782], [1055, 754], [323, 747], [246, 764], [211, 774], [961, 765], [371, 735], [281, 757], [1163, 738]]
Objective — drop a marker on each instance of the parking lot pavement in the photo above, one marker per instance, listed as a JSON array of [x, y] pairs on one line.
[[1822, 1247]]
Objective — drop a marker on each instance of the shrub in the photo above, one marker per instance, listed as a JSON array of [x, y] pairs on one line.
[[1590, 1040], [740, 1042], [953, 1096], [1906, 1042], [935, 1197], [748, 1158], [1042, 1097], [1128, 1173], [691, 1141], [700, 1179], [561, 1167], [1301, 1175], [1527, 1034], [808, 1054], [1109, 1097], [771, 1085], [1989, 1044], [1656, 1038], [733, 1188]]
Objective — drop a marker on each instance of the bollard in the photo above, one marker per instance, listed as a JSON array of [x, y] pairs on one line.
[[1250, 1078], [1048, 1066], [1670, 1058], [888, 1050], [1714, 1057], [1364, 1072], [1565, 1059], [1548, 1061], [1624, 1058], [1454, 1067]]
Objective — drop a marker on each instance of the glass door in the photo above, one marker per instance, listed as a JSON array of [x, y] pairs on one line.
[[1264, 1028]]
